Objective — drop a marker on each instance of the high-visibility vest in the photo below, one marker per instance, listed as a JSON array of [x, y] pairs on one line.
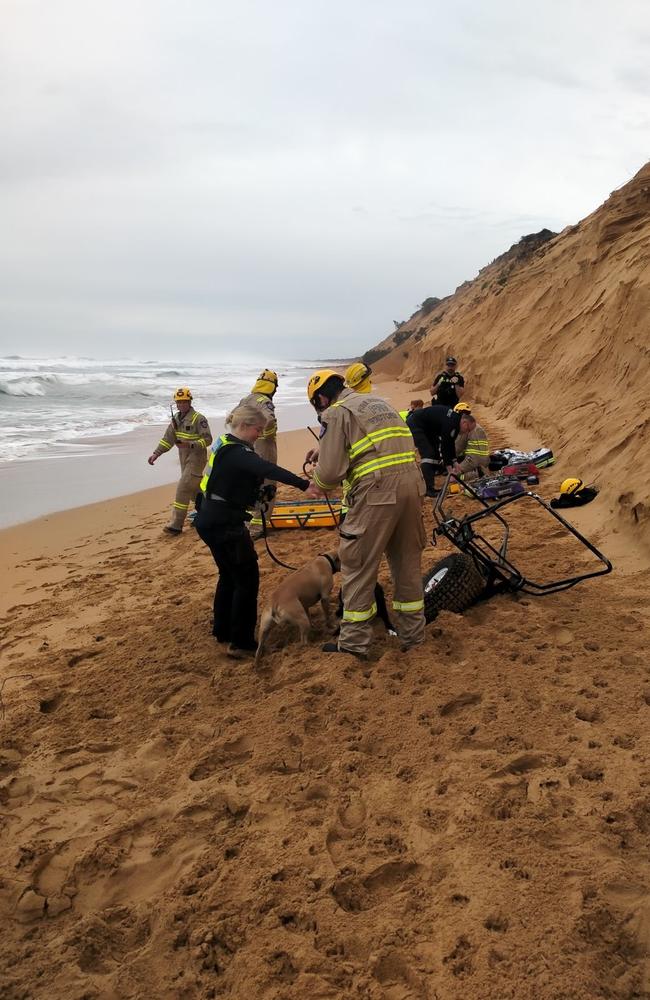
[[222, 442]]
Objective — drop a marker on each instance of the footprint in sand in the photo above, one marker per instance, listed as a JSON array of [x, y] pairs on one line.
[[236, 751], [560, 636], [465, 700], [173, 698], [355, 894]]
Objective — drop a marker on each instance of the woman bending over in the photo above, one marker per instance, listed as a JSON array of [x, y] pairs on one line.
[[233, 486]]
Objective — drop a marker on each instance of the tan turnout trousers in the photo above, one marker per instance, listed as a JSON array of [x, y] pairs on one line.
[[193, 432], [385, 518], [366, 442]]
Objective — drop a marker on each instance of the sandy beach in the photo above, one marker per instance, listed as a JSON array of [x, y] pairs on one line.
[[469, 820]]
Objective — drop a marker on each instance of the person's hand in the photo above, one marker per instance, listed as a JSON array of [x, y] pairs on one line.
[[312, 455], [314, 492], [152, 459], [455, 468]]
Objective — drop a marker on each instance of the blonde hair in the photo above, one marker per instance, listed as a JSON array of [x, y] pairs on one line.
[[246, 415]]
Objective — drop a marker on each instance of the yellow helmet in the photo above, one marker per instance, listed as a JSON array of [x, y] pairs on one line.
[[462, 408], [268, 376], [319, 379], [357, 377], [267, 382], [183, 395], [570, 486]]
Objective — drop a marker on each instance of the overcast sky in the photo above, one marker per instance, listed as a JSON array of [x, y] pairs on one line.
[[214, 176]]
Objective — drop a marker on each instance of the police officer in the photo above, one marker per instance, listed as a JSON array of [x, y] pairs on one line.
[[189, 431], [231, 486], [366, 442], [472, 448], [448, 385], [266, 446], [435, 429]]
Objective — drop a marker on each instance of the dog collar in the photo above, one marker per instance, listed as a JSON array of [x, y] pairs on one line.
[[330, 561]]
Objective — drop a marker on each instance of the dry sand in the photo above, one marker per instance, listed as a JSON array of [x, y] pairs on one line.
[[470, 820]]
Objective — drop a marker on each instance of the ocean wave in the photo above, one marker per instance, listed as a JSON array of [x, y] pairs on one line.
[[32, 385], [169, 374]]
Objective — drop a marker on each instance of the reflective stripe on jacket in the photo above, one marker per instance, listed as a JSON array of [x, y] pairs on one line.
[[222, 442], [192, 429], [364, 435]]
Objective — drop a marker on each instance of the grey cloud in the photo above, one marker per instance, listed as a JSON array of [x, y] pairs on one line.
[[269, 169]]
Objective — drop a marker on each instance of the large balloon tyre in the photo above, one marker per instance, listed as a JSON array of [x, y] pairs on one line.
[[453, 584]]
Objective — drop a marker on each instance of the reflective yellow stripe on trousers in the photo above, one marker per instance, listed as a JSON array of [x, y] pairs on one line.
[[408, 606], [360, 616]]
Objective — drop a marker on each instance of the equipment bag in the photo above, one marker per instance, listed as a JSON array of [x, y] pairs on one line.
[[541, 457], [498, 487]]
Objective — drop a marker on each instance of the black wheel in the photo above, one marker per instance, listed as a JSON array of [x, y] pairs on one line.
[[453, 584]]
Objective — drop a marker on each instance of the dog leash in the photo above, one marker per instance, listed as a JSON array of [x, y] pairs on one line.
[[264, 507]]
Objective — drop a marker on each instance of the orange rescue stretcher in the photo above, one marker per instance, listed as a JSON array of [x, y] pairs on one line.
[[304, 514]]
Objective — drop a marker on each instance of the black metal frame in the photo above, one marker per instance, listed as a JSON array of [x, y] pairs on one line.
[[493, 562]]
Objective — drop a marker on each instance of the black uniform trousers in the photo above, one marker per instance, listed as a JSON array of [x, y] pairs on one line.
[[235, 597], [430, 457]]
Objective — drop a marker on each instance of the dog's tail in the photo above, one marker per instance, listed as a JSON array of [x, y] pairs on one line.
[[265, 624]]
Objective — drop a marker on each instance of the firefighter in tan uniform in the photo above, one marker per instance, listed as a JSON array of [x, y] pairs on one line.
[[365, 441], [189, 431], [472, 447], [266, 446]]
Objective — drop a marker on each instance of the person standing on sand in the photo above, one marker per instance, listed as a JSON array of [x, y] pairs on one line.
[[266, 446], [448, 386], [189, 431], [365, 442], [231, 486]]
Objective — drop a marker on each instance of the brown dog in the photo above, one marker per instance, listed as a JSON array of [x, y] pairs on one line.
[[296, 594]]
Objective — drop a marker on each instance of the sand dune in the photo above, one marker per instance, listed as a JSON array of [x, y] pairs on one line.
[[555, 337]]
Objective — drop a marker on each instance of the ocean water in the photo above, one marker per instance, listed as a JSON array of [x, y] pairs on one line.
[[61, 406]]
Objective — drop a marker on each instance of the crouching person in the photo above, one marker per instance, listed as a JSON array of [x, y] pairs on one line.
[[472, 446], [231, 486]]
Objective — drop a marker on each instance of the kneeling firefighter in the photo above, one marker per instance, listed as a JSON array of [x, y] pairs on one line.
[[472, 448], [231, 486], [365, 442]]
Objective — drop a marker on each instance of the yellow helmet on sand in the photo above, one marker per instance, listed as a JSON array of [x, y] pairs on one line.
[[183, 395], [462, 408], [357, 377], [318, 380], [570, 486]]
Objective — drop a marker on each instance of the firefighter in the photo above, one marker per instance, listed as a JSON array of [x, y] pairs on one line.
[[189, 431], [266, 446], [357, 377], [472, 448], [435, 429], [364, 441], [230, 486]]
